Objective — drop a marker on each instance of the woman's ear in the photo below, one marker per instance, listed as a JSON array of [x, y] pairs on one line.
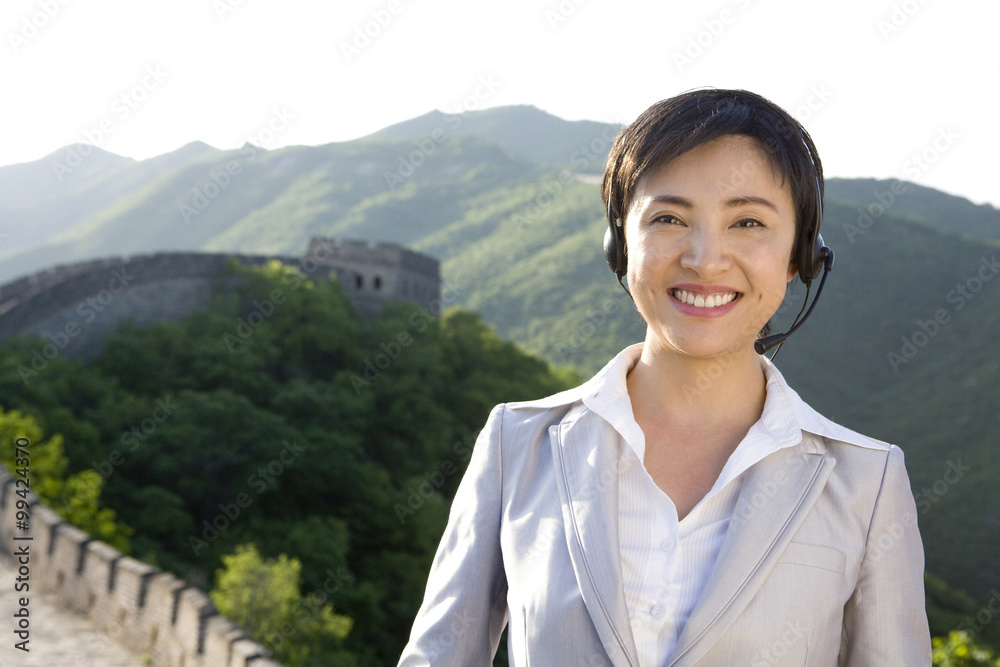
[[793, 270]]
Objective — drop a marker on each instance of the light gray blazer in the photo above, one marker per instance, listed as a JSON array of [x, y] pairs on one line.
[[822, 563]]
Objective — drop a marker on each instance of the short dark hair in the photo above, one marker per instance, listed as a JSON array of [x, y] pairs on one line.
[[674, 126]]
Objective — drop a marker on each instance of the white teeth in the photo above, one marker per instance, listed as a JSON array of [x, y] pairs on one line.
[[700, 301]]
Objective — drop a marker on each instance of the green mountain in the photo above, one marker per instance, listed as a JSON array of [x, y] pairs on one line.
[[946, 212], [523, 132], [902, 346]]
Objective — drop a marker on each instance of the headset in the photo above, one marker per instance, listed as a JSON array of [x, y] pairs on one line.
[[812, 255]]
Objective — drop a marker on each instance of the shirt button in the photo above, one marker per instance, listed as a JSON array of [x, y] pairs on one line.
[[658, 611], [667, 545]]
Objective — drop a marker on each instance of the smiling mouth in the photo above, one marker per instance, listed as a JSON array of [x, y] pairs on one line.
[[704, 300]]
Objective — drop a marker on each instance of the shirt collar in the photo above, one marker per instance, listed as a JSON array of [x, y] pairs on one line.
[[785, 417]]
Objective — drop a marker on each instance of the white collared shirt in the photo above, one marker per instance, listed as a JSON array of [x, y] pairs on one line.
[[666, 562]]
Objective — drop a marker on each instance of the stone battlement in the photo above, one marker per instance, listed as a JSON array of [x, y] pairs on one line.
[[152, 612]]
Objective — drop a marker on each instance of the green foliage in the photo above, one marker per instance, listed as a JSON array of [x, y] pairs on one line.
[[958, 650], [75, 497], [263, 597]]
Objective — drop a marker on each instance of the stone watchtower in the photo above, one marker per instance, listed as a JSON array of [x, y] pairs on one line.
[[375, 274]]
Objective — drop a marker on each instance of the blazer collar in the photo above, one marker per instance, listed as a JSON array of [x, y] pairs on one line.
[[792, 418]]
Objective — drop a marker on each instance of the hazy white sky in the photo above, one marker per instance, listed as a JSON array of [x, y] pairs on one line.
[[888, 88]]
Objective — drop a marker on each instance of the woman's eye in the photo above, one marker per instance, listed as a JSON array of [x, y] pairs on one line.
[[667, 219], [749, 222]]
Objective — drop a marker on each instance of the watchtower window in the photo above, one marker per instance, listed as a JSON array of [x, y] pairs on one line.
[[359, 281], [378, 282]]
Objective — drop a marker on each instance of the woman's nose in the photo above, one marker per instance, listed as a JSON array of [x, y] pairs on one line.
[[706, 253]]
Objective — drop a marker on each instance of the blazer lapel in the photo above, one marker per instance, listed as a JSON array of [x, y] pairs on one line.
[[767, 514], [585, 454]]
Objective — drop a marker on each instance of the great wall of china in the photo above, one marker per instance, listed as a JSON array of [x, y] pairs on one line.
[[76, 307]]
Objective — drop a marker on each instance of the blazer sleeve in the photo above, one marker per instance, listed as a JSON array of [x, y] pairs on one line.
[[885, 621], [464, 609]]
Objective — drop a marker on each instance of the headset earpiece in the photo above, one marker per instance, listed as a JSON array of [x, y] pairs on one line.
[[813, 253], [614, 246]]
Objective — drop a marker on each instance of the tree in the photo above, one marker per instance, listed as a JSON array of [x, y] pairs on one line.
[[263, 597], [75, 498], [957, 650]]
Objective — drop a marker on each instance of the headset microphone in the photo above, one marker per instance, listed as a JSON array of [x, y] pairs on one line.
[[762, 345]]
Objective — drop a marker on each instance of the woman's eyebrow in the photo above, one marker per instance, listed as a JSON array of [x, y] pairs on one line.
[[672, 199], [750, 199], [677, 200]]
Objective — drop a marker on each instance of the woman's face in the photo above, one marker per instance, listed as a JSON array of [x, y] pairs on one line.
[[709, 238]]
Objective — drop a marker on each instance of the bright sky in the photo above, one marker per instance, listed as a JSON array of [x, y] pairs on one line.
[[888, 88]]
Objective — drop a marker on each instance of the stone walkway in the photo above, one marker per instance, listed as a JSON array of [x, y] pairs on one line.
[[59, 637]]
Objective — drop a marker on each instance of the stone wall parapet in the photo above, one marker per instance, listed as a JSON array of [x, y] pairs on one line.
[[153, 613]]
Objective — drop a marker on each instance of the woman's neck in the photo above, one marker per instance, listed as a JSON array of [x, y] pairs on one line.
[[723, 394]]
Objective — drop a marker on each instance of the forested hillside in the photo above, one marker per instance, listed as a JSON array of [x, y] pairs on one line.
[[315, 434]]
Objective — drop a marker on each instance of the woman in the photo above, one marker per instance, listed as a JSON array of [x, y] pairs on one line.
[[685, 506]]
